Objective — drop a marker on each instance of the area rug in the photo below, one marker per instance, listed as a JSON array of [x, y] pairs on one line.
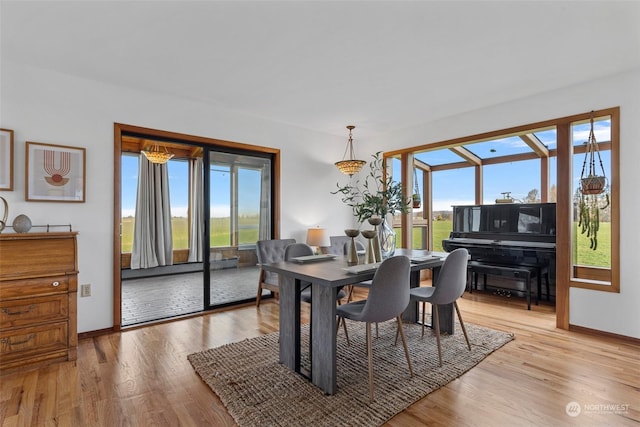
[[258, 391]]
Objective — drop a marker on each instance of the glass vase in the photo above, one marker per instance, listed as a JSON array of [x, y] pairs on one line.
[[387, 237]]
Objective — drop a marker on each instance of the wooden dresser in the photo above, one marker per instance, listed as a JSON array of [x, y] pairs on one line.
[[38, 305]]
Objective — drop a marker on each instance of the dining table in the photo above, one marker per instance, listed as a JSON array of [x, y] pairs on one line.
[[326, 275]]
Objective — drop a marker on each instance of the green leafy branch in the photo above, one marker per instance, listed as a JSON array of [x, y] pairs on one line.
[[376, 195], [589, 216]]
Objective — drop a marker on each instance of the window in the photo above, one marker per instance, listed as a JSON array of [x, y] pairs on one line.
[[540, 162], [589, 263], [129, 180], [220, 208], [450, 188], [519, 180], [240, 199], [178, 196], [249, 185]]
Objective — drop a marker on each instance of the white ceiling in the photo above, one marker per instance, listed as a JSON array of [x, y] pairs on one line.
[[321, 65]]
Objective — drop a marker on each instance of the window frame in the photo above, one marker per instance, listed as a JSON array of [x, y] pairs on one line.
[[567, 275]]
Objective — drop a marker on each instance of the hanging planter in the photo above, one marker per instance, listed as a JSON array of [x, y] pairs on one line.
[[594, 192], [416, 198], [416, 201], [592, 182]]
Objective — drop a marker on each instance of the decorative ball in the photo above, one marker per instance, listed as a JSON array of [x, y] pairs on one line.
[[21, 224]]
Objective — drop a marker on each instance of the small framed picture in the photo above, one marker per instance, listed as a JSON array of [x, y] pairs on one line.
[[54, 173], [6, 159]]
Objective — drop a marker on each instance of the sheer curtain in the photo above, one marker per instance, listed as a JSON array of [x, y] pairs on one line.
[[196, 214], [152, 238]]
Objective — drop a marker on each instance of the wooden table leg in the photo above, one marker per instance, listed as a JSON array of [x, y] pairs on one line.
[[323, 331], [290, 322], [410, 315]]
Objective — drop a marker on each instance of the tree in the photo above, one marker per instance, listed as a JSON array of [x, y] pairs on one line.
[[553, 194], [532, 196]]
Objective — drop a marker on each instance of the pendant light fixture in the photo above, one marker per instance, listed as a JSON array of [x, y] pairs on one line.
[[350, 166], [157, 155]]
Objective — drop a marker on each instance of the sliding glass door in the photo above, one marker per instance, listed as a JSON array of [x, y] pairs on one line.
[[188, 244], [240, 213]]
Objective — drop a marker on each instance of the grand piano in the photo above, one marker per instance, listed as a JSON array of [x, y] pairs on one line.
[[508, 234]]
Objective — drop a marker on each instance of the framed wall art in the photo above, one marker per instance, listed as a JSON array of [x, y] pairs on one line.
[[54, 173], [6, 159]]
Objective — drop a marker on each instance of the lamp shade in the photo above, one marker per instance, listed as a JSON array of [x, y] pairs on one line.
[[318, 237]]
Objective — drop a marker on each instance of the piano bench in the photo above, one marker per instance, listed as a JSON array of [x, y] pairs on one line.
[[521, 272]]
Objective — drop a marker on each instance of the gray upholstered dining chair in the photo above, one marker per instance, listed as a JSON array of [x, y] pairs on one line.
[[269, 251], [387, 299], [449, 286], [340, 246], [302, 249], [337, 244], [359, 247]]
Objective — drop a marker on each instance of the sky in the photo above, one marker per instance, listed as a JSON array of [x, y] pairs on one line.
[[451, 188], [249, 184]]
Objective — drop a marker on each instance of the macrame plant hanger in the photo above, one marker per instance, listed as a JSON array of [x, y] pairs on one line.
[[417, 199], [592, 182], [594, 194]]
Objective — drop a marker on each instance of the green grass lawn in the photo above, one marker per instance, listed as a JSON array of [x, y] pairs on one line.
[[249, 233], [584, 256]]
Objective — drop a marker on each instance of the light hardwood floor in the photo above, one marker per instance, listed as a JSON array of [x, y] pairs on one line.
[[141, 377]]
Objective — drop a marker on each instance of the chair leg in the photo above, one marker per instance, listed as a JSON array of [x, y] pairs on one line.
[[350, 294], [404, 344], [370, 358], [344, 326], [395, 342], [259, 296], [464, 330], [546, 279], [346, 334], [436, 325], [423, 310]]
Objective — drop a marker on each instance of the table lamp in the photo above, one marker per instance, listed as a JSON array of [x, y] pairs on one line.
[[317, 238]]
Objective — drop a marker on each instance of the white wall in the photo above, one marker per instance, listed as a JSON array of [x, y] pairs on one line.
[[611, 312], [44, 106]]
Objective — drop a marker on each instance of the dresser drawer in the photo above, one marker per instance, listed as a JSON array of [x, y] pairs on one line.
[[33, 254], [22, 312], [22, 288], [29, 341]]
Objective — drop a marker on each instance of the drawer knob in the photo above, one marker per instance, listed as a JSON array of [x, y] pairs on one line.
[[56, 284]]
